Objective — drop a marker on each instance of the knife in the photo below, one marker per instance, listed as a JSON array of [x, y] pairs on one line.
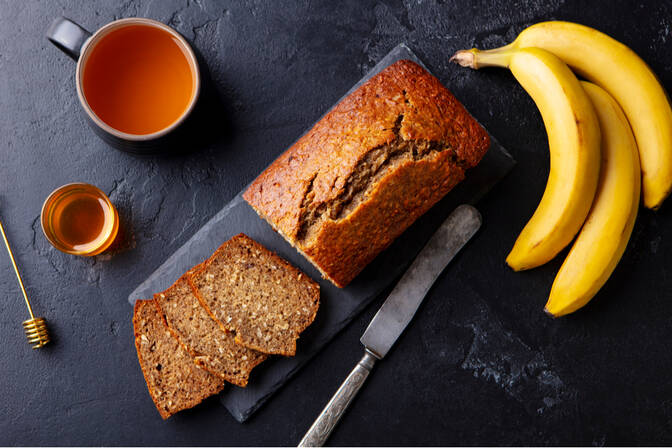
[[397, 311]]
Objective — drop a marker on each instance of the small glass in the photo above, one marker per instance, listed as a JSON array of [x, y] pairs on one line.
[[79, 219]]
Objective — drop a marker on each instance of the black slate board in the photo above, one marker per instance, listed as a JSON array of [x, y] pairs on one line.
[[337, 306]]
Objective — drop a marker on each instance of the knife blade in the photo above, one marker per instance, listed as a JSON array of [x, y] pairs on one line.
[[404, 300], [397, 311]]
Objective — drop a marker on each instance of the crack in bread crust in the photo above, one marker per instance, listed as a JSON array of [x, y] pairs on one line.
[[375, 164]]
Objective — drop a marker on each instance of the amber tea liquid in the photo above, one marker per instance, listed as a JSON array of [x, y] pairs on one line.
[[79, 219], [138, 79]]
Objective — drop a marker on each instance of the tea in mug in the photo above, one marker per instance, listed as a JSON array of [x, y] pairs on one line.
[[138, 80]]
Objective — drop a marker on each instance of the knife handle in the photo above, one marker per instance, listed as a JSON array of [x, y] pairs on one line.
[[318, 434]]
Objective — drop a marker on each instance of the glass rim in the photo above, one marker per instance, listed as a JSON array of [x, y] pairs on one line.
[[55, 242]]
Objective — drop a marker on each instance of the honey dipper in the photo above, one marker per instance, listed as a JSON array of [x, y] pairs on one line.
[[35, 328]]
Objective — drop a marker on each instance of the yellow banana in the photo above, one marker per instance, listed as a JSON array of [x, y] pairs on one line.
[[616, 68], [605, 234], [574, 143]]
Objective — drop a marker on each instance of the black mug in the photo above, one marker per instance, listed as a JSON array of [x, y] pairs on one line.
[[79, 44]]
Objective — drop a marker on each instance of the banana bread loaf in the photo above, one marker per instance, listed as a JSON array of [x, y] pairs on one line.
[[367, 170], [211, 346], [174, 381], [257, 295]]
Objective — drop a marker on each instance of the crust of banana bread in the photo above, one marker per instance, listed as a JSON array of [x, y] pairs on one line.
[[368, 169]]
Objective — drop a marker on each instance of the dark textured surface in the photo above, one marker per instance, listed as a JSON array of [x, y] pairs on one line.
[[337, 306], [480, 364]]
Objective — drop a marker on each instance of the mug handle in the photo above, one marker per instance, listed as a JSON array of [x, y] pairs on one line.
[[67, 36]]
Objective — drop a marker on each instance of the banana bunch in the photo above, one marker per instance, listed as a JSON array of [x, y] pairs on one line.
[[607, 138]]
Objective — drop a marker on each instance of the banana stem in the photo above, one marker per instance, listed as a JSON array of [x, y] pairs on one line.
[[475, 58]]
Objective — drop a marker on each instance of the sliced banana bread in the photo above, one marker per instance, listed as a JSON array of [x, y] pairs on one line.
[[211, 346], [257, 295], [174, 381]]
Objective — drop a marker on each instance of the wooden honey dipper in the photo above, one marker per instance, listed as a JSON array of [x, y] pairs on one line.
[[35, 328]]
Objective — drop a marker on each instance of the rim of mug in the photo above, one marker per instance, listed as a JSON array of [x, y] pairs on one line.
[[95, 38], [57, 244]]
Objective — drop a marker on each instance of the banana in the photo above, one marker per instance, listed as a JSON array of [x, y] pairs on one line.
[[616, 68], [574, 143], [605, 234]]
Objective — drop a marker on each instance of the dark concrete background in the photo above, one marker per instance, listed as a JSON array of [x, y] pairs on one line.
[[480, 364]]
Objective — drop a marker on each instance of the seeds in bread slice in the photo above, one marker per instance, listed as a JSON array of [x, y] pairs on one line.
[[257, 295], [212, 348], [174, 381]]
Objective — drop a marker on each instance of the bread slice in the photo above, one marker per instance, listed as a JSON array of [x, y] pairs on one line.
[[211, 346], [257, 295], [174, 381]]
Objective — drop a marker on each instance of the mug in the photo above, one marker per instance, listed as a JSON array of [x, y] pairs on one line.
[[137, 80]]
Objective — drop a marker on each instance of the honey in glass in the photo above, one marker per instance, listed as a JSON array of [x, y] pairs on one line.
[[79, 219]]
